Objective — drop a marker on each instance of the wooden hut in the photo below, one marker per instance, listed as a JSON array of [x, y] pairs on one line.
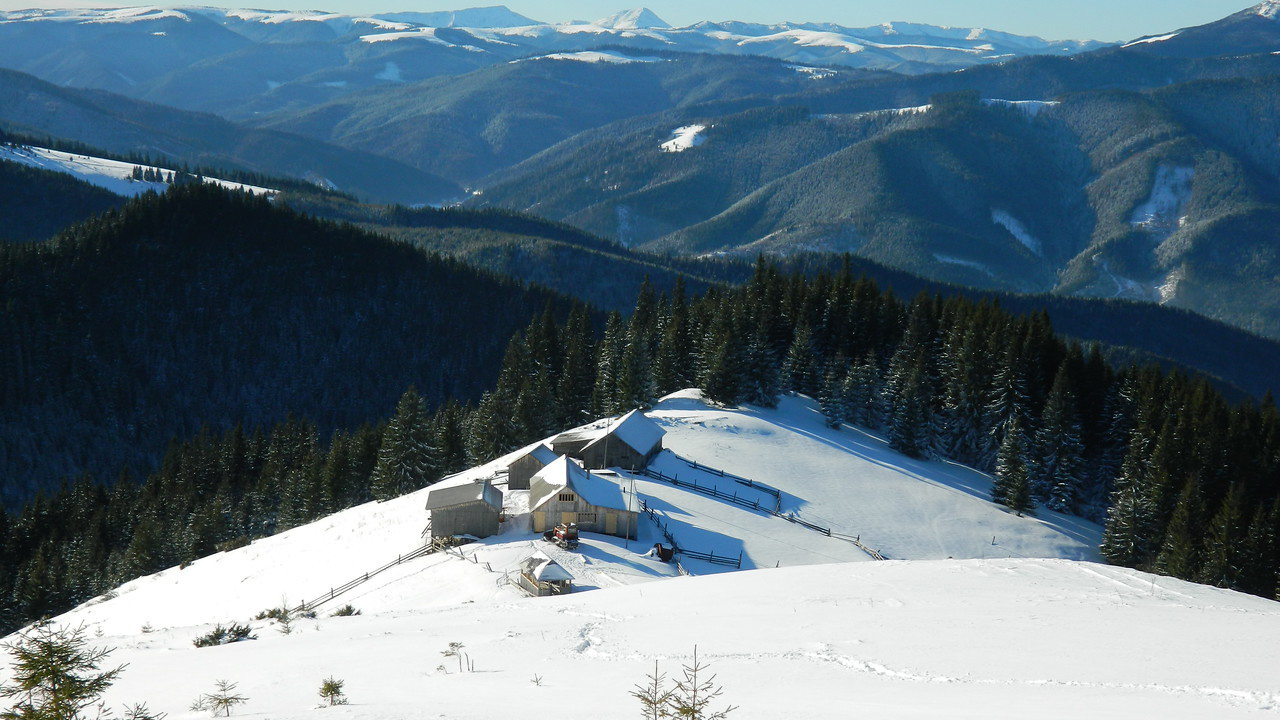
[[540, 575], [524, 467], [629, 442], [470, 509], [563, 492]]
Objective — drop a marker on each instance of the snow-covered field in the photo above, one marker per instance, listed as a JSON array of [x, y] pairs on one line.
[[683, 138], [112, 175], [978, 613]]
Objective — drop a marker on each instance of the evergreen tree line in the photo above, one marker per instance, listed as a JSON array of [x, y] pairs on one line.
[[1185, 482]]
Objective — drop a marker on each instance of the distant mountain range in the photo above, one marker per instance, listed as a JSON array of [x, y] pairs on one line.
[[1143, 172], [242, 62]]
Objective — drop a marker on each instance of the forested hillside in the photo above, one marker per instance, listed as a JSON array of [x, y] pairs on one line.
[[1186, 482], [36, 204], [203, 308]]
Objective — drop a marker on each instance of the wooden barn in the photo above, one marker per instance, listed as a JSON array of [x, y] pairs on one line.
[[524, 467], [629, 442], [563, 492], [470, 509], [540, 575]]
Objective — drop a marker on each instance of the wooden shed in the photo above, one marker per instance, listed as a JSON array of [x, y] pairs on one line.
[[629, 442], [470, 509], [541, 576], [563, 492], [523, 468]]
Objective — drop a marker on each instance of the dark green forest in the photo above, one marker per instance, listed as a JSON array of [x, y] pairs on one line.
[[201, 307], [36, 204]]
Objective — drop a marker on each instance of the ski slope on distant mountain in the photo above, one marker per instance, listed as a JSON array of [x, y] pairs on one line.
[[112, 175], [828, 634]]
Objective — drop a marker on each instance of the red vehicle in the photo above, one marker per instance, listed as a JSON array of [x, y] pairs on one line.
[[566, 536]]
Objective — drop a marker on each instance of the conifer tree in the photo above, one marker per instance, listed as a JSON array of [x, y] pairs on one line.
[[609, 361], [1127, 535], [1060, 466], [577, 370], [1180, 553], [800, 367], [1223, 542], [1012, 487], [860, 388], [720, 361], [55, 675], [672, 364], [910, 427], [831, 399], [406, 458]]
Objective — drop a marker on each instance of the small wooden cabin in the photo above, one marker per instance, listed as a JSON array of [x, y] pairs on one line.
[[524, 467], [470, 509], [629, 442], [563, 492], [541, 576]]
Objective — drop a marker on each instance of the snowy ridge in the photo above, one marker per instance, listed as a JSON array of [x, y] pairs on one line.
[[683, 138], [997, 635], [921, 45], [1032, 108], [634, 19], [594, 56], [1156, 39], [1269, 9], [112, 175]]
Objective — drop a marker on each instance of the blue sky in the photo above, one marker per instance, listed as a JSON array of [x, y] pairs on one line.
[[1051, 19]]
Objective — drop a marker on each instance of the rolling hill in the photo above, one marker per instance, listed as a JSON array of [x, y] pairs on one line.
[[1005, 628]]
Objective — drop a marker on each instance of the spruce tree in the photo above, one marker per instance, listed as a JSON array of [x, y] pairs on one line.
[[1059, 469], [406, 458], [55, 675], [1012, 487], [1180, 553]]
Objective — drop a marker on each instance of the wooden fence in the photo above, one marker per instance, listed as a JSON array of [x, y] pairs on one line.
[[710, 557], [716, 492], [776, 493], [339, 590]]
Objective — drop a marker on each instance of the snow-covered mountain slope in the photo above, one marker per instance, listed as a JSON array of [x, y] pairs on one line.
[[113, 175], [997, 635]]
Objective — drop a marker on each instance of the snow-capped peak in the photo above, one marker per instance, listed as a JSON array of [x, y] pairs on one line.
[[1269, 9], [633, 19]]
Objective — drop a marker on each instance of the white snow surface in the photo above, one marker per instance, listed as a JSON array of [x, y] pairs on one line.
[[1156, 39], [1269, 9], [633, 19], [1005, 630], [1031, 107], [815, 73], [952, 260], [1162, 213], [1017, 229], [683, 138], [594, 56], [112, 175], [809, 38]]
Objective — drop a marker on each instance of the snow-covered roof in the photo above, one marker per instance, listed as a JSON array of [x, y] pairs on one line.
[[543, 454], [637, 431], [564, 473], [544, 569], [461, 494]]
